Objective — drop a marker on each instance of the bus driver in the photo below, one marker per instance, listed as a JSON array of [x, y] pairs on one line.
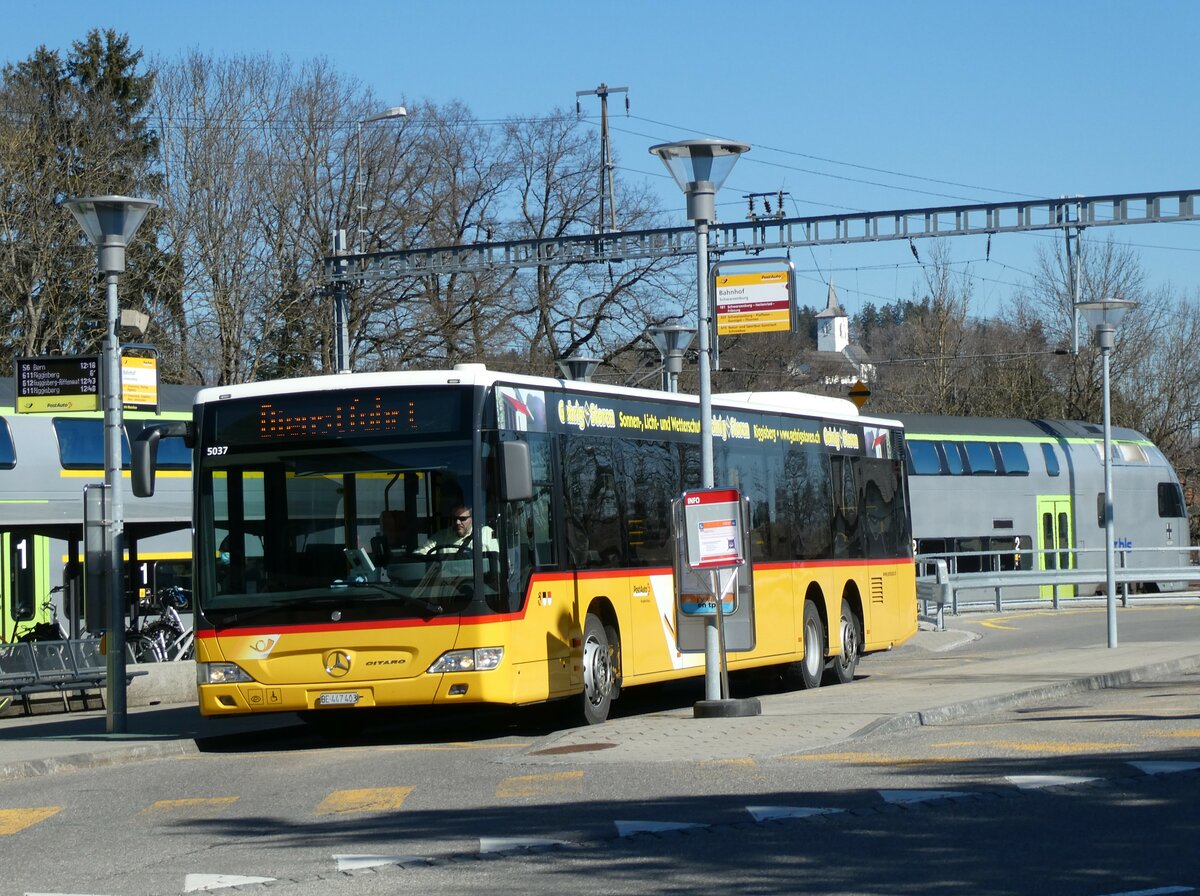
[[456, 538]]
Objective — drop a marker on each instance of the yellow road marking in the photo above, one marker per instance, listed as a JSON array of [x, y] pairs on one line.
[[745, 761], [13, 821], [1187, 732], [435, 748], [1037, 746], [874, 759], [551, 784], [372, 799], [194, 806]]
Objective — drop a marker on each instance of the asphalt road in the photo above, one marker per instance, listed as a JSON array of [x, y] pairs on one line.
[[1091, 795]]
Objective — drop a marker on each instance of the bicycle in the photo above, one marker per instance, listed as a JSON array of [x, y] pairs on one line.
[[43, 631], [167, 639]]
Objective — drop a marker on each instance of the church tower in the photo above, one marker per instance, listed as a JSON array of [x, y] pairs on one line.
[[833, 324]]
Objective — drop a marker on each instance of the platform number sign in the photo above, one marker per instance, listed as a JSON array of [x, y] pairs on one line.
[[22, 575]]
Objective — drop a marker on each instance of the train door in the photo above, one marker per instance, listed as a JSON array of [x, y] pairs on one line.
[[1056, 538]]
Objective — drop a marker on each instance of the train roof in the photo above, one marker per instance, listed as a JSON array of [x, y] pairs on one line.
[[916, 425]]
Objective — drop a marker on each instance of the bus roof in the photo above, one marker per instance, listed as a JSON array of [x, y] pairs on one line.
[[479, 375]]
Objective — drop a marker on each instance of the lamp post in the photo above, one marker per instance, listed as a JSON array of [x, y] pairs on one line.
[[700, 167], [578, 367], [671, 343], [341, 316], [360, 183], [110, 223], [1103, 317]]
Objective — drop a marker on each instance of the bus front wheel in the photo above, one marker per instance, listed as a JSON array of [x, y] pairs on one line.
[[601, 669]]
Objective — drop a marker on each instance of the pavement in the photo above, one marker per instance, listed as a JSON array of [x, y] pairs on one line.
[[935, 677]]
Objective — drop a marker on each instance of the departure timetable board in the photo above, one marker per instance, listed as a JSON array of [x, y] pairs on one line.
[[57, 384]]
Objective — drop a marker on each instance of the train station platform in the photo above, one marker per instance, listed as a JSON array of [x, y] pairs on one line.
[[968, 670]]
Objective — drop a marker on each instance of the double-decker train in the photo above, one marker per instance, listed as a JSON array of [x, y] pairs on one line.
[[1000, 494]]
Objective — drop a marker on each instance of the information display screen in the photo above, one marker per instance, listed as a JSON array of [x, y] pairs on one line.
[[343, 414], [58, 384]]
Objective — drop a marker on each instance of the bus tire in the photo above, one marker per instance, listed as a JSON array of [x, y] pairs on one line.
[[601, 670], [812, 667], [842, 667]]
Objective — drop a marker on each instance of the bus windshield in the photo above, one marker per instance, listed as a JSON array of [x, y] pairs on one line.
[[344, 532]]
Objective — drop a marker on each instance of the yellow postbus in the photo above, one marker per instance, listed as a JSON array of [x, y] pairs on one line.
[[467, 536]]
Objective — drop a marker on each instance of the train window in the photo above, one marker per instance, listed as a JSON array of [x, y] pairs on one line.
[[1048, 541], [1100, 509], [1051, 459], [1130, 453], [81, 443], [8, 452], [1015, 462], [1170, 500], [954, 458], [923, 458], [981, 458]]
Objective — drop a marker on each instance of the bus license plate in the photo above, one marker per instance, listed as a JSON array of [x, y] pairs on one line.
[[338, 699]]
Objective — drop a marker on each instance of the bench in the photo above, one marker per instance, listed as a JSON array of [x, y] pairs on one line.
[[39, 667]]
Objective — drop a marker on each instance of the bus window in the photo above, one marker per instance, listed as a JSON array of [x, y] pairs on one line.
[[651, 482], [595, 508]]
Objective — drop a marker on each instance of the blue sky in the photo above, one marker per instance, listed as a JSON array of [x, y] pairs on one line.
[[863, 106]]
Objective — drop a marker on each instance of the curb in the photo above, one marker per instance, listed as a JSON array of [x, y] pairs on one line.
[[984, 705], [34, 768]]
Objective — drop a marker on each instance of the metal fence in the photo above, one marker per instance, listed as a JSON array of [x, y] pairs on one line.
[[990, 585]]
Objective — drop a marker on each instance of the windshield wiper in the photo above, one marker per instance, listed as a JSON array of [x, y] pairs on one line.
[[430, 608], [244, 615]]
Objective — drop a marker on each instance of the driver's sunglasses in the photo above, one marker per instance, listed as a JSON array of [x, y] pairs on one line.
[[463, 518]]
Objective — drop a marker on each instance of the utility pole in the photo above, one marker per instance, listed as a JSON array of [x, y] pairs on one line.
[[606, 162]]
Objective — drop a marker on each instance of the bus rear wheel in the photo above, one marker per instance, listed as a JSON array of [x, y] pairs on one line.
[[809, 670], [812, 667], [601, 669], [842, 668]]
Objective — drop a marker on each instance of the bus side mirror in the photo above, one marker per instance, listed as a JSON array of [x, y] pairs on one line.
[[143, 453], [517, 484]]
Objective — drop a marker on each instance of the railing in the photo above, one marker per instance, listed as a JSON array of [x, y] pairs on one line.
[[940, 583]]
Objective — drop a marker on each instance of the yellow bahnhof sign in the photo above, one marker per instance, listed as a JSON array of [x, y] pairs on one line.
[[758, 302]]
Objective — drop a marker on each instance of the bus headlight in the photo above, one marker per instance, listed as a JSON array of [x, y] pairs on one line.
[[221, 673], [481, 659]]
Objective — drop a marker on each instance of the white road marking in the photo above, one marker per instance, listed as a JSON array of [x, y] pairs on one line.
[[195, 882], [510, 844], [352, 862], [629, 828], [767, 813], [1033, 782]]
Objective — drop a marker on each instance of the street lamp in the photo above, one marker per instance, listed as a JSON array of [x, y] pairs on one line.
[[1103, 317], [700, 167], [360, 184], [578, 367], [671, 343], [110, 223], [341, 316]]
